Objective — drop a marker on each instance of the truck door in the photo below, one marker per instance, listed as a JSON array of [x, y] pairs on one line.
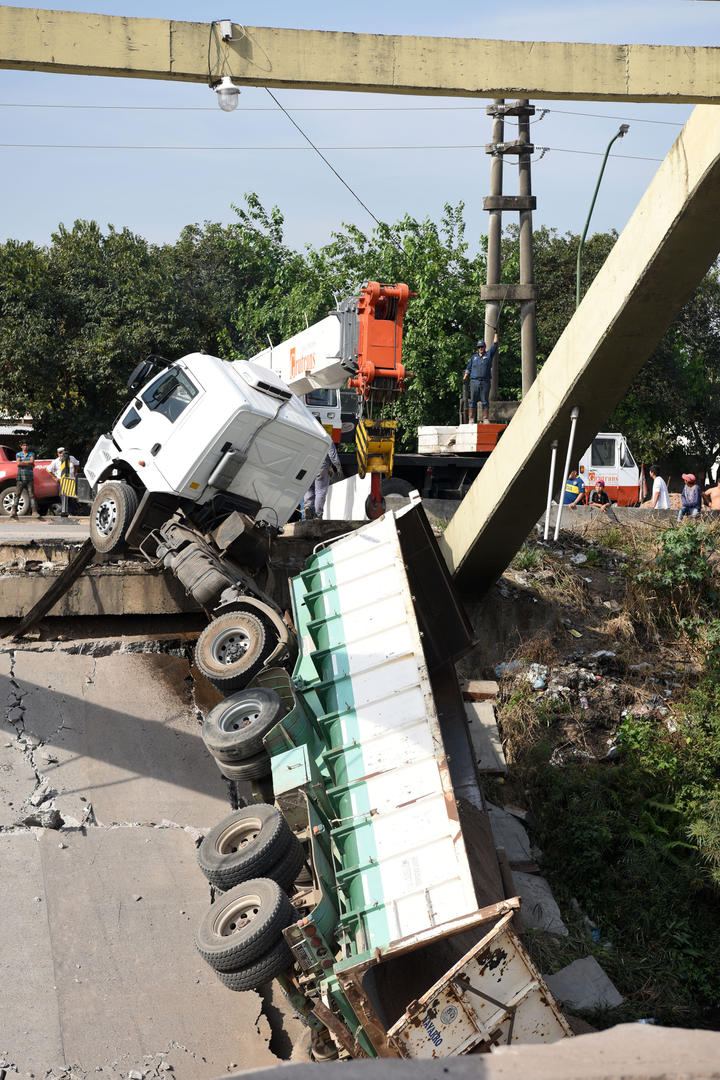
[[629, 476], [152, 424]]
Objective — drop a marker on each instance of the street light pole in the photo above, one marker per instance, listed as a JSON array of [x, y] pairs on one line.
[[624, 128]]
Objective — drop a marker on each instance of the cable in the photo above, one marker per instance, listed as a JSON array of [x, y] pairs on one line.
[[320, 154], [303, 149], [336, 108]]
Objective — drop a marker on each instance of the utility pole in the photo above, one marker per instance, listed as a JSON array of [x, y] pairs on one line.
[[494, 293], [492, 308]]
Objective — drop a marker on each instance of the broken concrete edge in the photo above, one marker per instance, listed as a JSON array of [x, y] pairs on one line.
[[175, 644], [632, 1051], [38, 811]]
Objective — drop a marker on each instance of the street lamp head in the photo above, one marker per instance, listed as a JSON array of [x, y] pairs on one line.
[[227, 93], [624, 128]]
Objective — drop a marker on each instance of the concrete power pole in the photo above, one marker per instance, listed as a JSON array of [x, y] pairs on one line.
[[494, 293]]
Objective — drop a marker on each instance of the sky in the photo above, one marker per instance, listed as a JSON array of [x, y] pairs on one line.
[[155, 156]]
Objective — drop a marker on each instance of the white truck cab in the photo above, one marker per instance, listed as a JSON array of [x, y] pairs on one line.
[[203, 427], [608, 458]]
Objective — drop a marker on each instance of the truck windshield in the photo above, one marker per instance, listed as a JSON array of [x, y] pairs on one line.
[[170, 394], [603, 453], [322, 397]]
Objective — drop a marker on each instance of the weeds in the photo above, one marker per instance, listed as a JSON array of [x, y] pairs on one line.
[[527, 558]]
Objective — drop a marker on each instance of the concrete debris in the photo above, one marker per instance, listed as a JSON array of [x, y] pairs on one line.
[[578, 559], [46, 818], [584, 985], [42, 794], [539, 910], [509, 834], [485, 737], [135, 1074]]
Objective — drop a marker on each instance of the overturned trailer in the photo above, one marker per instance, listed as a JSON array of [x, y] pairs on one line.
[[399, 940]]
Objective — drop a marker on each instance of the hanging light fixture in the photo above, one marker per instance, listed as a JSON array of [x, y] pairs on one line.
[[227, 93]]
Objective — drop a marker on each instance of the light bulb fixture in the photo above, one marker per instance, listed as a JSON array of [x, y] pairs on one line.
[[227, 93]]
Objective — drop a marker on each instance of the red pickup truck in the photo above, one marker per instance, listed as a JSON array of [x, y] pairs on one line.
[[46, 486]]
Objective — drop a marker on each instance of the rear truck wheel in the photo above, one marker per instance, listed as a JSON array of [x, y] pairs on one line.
[[234, 729], [244, 924], [7, 502], [267, 967], [287, 868], [251, 769], [395, 486], [230, 650], [244, 845], [112, 510]]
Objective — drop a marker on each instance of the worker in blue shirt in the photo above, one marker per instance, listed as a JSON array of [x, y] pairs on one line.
[[479, 372], [574, 489]]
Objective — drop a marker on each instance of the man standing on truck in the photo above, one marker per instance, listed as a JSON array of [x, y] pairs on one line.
[[479, 372], [25, 482]]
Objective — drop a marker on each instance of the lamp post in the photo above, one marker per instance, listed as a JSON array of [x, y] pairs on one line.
[[624, 128]]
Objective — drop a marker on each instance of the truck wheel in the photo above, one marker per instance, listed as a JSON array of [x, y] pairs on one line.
[[252, 769], [234, 729], [243, 924], [230, 650], [244, 845], [112, 511], [395, 486], [271, 964], [287, 868], [7, 502]]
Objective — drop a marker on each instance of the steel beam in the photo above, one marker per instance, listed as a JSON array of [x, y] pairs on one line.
[[667, 246], [78, 43]]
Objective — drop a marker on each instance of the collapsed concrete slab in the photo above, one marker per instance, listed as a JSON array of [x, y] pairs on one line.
[[539, 910], [584, 985]]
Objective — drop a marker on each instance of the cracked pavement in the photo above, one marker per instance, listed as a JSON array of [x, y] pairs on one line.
[[105, 789]]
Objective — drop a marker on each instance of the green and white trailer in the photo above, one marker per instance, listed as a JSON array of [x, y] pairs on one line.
[[398, 941]]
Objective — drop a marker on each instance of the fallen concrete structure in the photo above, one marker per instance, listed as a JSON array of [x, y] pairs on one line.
[[31, 557], [98, 970]]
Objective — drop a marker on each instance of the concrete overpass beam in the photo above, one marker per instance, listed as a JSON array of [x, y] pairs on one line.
[[664, 251], [79, 43]]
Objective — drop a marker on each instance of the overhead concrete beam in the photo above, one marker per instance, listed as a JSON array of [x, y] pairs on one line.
[[667, 246], [79, 43]]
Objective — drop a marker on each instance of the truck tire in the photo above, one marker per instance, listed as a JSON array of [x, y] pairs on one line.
[[244, 924], [230, 650], [234, 729], [252, 769], [7, 502], [262, 970], [287, 868], [244, 845], [395, 486], [112, 510]]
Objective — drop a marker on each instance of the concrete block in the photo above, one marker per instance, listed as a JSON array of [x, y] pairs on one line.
[[479, 689], [485, 738], [539, 910], [584, 985], [510, 835]]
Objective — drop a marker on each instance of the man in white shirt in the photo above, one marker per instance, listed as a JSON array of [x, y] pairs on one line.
[[64, 468], [660, 496]]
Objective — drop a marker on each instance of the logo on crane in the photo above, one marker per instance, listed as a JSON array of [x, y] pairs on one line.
[[302, 363]]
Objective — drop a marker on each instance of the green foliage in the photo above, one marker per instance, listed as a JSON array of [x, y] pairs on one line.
[[681, 570], [526, 559]]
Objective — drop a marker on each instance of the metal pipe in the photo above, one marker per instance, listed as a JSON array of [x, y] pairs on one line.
[[551, 484], [573, 422], [619, 135]]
